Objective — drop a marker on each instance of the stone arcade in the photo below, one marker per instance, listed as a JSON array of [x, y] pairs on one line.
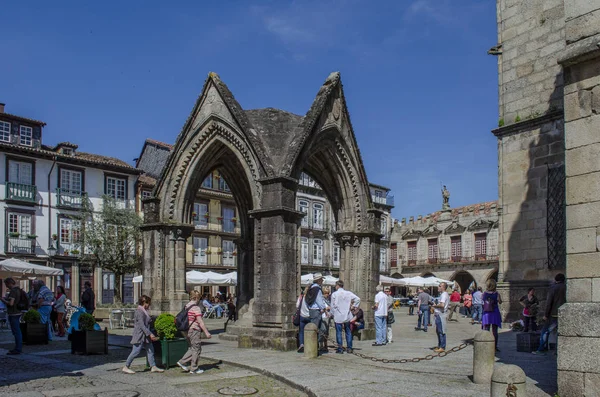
[[261, 154]]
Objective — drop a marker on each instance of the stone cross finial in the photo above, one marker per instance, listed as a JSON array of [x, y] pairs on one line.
[[445, 198]]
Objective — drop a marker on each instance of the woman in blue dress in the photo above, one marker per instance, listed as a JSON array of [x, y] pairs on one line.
[[491, 310]]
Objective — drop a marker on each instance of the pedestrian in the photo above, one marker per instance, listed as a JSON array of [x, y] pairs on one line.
[[477, 306], [208, 306], [325, 321], [358, 321], [342, 303], [231, 312], [467, 303], [390, 316], [491, 310], [454, 305], [142, 337], [316, 304], [411, 304], [13, 304], [423, 302], [380, 309], [530, 305], [88, 298], [556, 298], [59, 308], [441, 310], [304, 319], [194, 335], [44, 299]]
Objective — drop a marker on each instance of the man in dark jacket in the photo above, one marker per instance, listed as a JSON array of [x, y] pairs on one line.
[[557, 295], [88, 299]]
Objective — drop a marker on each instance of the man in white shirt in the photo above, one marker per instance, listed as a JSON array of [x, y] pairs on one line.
[[441, 310], [380, 309], [341, 301]]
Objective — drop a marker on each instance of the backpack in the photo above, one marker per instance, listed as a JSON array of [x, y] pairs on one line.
[[23, 303], [311, 295], [490, 303], [182, 320]]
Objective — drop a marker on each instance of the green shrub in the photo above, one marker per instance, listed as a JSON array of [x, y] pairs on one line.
[[501, 123], [32, 317], [86, 322], [165, 326]]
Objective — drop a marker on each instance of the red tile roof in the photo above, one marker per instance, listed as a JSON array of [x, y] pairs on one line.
[[147, 180], [159, 143], [25, 119]]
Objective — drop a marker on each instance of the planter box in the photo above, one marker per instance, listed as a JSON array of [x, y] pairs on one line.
[[168, 352], [89, 342], [528, 341], [34, 334]]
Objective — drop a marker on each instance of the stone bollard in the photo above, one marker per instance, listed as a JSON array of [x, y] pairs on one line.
[[484, 356], [311, 341], [508, 380]]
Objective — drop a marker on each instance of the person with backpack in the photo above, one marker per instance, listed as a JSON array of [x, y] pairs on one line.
[[142, 337], [43, 299], [15, 302], [491, 310], [189, 321], [316, 304]]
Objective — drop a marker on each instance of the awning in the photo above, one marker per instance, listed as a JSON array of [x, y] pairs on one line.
[[13, 267], [203, 278]]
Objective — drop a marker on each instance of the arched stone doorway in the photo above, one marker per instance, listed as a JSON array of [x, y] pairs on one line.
[[464, 280], [261, 154]]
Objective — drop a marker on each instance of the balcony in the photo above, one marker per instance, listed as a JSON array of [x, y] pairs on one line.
[[216, 224], [69, 199], [389, 200], [453, 260], [21, 192], [203, 258], [20, 245], [69, 249]]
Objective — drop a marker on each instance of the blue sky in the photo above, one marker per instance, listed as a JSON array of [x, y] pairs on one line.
[[420, 88]]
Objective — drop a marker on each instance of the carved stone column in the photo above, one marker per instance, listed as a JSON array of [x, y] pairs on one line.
[[245, 258]]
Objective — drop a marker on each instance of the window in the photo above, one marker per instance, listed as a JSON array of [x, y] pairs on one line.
[[382, 259], [336, 254], [432, 250], [26, 136], [455, 249], [411, 252], [480, 246], [317, 251], [394, 254], [223, 185], [20, 172], [116, 188], [228, 219], [304, 179], [199, 217], [318, 216], [67, 151], [4, 131], [146, 194], [19, 223], [200, 245], [378, 193], [228, 248], [70, 181], [108, 287], [304, 250], [303, 207], [69, 231], [207, 183]]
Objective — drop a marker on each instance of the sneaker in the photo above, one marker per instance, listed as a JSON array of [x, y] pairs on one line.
[[541, 353], [378, 344], [339, 351], [156, 369], [128, 370], [183, 367], [425, 330], [417, 329], [349, 351], [439, 350], [301, 349], [198, 371], [13, 352]]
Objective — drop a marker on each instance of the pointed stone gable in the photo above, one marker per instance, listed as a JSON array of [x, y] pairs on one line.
[[212, 104]]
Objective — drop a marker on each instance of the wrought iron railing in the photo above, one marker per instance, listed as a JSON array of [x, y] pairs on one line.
[[389, 200], [217, 224], [21, 192], [454, 259], [70, 199], [20, 245]]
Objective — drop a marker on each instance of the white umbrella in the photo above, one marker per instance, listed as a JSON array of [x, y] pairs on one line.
[[138, 279], [419, 281], [13, 267], [308, 279], [203, 278], [398, 282]]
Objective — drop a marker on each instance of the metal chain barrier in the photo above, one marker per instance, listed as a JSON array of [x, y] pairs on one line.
[[399, 361]]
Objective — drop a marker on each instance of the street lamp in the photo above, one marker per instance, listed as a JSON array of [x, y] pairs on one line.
[[51, 250]]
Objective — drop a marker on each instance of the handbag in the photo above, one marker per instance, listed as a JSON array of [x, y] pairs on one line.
[[489, 305], [390, 318], [296, 317], [431, 310]]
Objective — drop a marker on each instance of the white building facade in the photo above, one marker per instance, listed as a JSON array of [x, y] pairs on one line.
[[41, 196]]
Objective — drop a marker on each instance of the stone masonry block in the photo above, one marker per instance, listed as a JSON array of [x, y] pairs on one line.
[[571, 384], [583, 160], [584, 26], [578, 104], [581, 240], [583, 215], [579, 319], [582, 188], [592, 385], [579, 290], [582, 132], [582, 76], [586, 359], [575, 8], [583, 265], [596, 290], [596, 99]]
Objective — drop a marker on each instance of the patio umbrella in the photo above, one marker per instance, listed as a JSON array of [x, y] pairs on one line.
[[13, 267]]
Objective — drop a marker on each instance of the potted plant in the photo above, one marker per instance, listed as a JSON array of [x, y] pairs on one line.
[[34, 332], [207, 215], [14, 234], [234, 219], [66, 252], [208, 251], [32, 236], [88, 340], [219, 251], [219, 218], [234, 253], [75, 252], [54, 237], [194, 216], [171, 347]]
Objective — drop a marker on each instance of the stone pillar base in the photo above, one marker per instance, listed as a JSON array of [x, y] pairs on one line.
[[172, 305], [367, 334], [267, 338], [579, 331]]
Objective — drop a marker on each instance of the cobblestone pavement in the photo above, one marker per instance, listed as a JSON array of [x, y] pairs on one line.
[[57, 372]]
